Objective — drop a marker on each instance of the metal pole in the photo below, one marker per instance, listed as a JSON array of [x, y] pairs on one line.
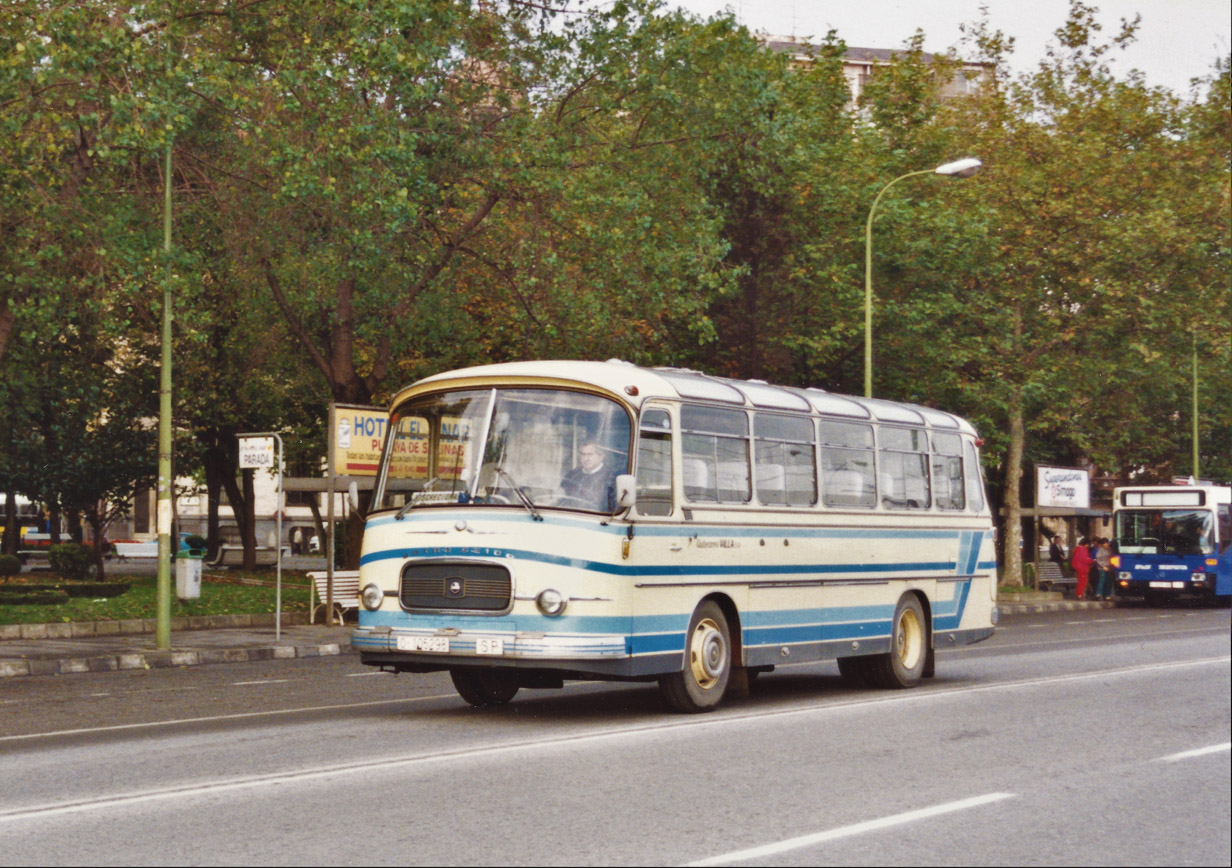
[[1197, 475], [329, 563], [162, 629], [278, 504], [964, 168], [868, 282]]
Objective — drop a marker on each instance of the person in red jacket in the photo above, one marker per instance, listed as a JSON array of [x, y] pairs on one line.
[[1081, 562]]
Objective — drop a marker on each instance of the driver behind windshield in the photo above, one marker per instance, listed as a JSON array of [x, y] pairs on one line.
[[592, 481]]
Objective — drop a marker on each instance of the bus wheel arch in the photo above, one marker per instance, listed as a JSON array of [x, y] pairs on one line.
[[905, 664], [710, 657]]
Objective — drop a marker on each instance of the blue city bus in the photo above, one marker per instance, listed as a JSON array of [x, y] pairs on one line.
[[1173, 541]]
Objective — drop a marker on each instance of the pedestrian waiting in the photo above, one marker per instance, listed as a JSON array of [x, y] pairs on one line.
[[1081, 562], [1101, 557]]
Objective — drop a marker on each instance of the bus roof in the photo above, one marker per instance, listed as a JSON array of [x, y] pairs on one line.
[[637, 384], [1215, 494]]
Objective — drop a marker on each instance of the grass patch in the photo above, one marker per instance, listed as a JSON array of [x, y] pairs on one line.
[[141, 601]]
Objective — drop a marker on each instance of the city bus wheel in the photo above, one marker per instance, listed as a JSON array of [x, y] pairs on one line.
[[707, 666], [904, 665], [484, 687]]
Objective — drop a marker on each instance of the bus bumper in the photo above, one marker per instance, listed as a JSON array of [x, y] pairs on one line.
[[427, 650], [1195, 584]]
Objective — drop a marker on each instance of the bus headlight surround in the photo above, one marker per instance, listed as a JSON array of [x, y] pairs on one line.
[[551, 602], [372, 596]]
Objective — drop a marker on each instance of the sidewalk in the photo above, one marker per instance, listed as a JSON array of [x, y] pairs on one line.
[[1046, 601], [65, 654], [107, 646]]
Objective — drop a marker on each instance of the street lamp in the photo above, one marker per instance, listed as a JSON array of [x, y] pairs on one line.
[[958, 169]]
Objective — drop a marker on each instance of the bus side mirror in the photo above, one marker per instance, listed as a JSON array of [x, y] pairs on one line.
[[626, 490]]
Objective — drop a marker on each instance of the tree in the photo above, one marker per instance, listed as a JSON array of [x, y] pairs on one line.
[[1085, 261]]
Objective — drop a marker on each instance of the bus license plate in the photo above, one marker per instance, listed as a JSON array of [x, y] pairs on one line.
[[491, 647], [437, 644]]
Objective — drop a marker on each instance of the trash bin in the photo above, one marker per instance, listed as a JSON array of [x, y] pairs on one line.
[[188, 575]]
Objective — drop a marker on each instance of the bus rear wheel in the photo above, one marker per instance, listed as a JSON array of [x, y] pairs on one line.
[[904, 665], [701, 684], [484, 687]]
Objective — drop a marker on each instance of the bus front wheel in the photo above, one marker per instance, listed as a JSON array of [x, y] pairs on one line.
[[483, 687], [904, 665], [855, 671], [700, 685]]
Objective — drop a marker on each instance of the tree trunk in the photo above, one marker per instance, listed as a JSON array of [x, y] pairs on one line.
[[215, 464], [11, 531], [1013, 502], [248, 527], [95, 521], [242, 508]]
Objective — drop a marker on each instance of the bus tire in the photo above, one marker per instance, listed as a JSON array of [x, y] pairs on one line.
[[484, 687], [703, 681], [904, 665], [855, 671]]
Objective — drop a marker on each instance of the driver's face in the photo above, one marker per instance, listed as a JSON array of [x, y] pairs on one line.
[[590, 458]]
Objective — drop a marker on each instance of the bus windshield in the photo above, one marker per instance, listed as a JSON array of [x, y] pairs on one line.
[[485, 447], [1167, 531]]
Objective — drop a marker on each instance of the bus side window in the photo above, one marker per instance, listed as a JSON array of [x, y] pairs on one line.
[[1225, 527], [975, 480], [786, 471], [654, 463], [903, 458], [948, 471], [847, 464], [715, 440]]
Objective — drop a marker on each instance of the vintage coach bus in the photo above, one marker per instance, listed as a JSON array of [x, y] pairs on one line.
[[541, 521]]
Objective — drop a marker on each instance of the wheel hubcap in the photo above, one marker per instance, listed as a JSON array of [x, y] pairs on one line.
[[707, 654], [909, 639]]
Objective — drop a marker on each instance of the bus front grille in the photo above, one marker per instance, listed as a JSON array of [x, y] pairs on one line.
[[483, 587]]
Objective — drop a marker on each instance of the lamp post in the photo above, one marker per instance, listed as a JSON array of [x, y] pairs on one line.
[[166, 484], [958, 169]]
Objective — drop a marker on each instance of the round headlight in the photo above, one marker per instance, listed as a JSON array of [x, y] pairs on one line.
[[551, 602], [372, 597]]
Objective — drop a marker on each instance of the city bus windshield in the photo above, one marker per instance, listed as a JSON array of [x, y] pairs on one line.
[[523, 447], [1167, 531]]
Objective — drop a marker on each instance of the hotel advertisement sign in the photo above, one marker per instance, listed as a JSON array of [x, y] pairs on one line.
[[356, 434]]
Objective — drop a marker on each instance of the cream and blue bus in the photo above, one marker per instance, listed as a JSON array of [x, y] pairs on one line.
[[539, 522]]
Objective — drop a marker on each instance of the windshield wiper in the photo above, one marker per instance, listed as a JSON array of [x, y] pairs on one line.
[[410, 501], [522, 495]]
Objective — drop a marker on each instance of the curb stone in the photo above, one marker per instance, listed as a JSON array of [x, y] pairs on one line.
[[164, 659], [1059, 606], [138, 626]]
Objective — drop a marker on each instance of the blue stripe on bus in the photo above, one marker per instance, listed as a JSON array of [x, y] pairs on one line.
[[691, 529], [656, 634], [801, 570]]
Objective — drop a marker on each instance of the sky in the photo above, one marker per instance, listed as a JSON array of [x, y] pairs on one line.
[[1177, 39]]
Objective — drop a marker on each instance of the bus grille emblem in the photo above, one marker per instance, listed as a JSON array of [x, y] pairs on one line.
[[455, 587]]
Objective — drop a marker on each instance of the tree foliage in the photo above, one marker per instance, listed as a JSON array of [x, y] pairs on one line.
[[366, 193]]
